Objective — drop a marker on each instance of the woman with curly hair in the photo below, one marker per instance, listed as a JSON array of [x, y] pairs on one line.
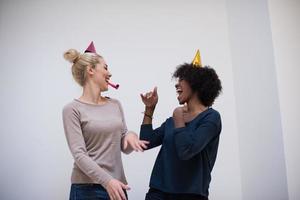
[[189, 139]]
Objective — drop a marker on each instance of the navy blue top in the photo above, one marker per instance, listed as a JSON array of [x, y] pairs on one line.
[[187, 154]]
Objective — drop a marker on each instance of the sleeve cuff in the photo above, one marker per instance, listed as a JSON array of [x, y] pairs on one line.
[[146, 127], [105, 181]]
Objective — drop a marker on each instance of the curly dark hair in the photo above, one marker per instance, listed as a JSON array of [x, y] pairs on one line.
[[203, 80]]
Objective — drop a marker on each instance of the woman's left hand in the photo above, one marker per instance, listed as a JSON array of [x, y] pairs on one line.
[[179, 115], [131, 140]]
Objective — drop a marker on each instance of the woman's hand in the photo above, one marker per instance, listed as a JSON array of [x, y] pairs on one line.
[[150, 99], [179, 116], [115, 191], [133, 142]]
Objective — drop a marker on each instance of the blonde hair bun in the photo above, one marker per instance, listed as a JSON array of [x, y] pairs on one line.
[[71, 55]]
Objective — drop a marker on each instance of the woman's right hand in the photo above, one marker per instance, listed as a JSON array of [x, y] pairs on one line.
[[115, 189], [150, 99]]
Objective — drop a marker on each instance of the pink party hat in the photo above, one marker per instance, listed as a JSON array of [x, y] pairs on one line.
[[91, 48]]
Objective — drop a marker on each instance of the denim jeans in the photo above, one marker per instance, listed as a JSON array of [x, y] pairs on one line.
[[89, 192], [154, 194]]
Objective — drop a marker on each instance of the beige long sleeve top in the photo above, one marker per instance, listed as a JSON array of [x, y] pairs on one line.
[[94, 134]]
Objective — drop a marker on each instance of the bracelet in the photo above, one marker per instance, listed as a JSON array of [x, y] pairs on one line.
[[147, 115]]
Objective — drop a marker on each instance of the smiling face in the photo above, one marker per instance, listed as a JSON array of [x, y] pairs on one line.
[[184, 91], [101, 74], [202, 83]]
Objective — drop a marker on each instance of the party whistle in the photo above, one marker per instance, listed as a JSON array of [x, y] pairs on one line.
[[116, 86]]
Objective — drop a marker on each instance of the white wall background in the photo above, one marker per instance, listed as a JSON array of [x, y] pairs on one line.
[[258, 113], [285, 17], [142, 42]]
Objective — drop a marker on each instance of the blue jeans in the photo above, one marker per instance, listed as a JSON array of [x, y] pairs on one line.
[[89, 192], [155, 194]]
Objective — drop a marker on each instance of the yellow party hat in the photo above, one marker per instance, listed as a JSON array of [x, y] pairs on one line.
[[197, 59]]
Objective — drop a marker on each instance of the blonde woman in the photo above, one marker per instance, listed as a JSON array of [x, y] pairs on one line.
[[96, 132]]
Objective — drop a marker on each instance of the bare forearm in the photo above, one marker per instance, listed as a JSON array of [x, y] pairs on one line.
[[148, 115]]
